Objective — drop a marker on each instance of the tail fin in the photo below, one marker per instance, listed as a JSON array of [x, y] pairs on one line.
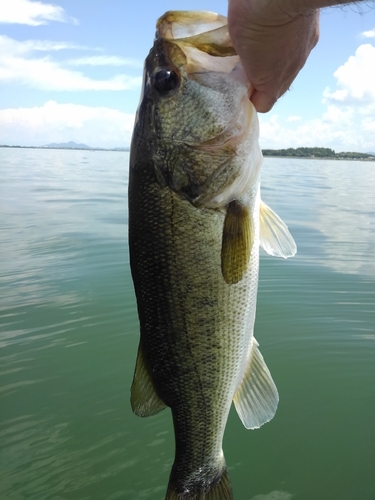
[[219, 490]]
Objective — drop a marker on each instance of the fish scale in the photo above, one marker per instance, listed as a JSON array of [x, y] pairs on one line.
[[193, 334], [194, 233]]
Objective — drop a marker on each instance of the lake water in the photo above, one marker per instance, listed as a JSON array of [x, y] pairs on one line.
[[69, 334]]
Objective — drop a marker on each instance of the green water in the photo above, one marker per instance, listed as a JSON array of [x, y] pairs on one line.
[[69, 333]]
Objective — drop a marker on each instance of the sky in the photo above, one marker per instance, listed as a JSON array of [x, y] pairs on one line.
[[71, 70]]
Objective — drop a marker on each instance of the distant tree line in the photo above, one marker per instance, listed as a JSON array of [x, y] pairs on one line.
[[354, 155], [314, 153], [300, 152]]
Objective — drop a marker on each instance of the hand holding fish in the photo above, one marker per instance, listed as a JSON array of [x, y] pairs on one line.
[[274, 39]]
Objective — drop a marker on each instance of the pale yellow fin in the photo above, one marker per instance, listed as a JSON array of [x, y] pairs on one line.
[[144, 400], [256, 398], [237, 242], [274, 235]]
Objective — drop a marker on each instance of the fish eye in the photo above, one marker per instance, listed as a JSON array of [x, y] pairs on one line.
[[165, 80]]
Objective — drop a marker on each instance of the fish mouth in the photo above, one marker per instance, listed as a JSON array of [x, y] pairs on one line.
[[182, 25], [202, 36], [203, 39]]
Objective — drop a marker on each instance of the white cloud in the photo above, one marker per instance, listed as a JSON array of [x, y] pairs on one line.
[[17, 65], [368, 34], [356, 79], [293, 118], [368, 124], [10, 47], [31, 13], [53, 122], [105, 61], [339, 129], [348, 124]]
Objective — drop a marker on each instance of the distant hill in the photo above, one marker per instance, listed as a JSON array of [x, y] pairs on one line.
[[67, 145], [74, 145]]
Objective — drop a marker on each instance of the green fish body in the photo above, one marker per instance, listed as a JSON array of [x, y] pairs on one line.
[[196, 222]]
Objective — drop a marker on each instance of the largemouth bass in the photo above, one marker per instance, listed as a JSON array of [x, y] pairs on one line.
[[196, 222]]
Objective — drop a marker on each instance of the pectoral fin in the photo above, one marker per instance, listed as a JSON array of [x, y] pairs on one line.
[[237, 242], [274, 235], [144, 400], [256, 398]]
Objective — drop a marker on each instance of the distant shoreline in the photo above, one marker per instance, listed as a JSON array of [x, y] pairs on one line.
[[267, 153], [333, 158], [318, 153], [119, 150]]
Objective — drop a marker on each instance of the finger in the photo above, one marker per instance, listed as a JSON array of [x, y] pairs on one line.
[[262, 102]]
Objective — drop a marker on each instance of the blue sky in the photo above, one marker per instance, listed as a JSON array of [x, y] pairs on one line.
[[71, 70]]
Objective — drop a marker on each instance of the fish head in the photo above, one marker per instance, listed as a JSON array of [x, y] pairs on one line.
[[195, 123]]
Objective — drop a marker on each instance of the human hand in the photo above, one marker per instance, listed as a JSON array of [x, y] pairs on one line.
[[273, 39]]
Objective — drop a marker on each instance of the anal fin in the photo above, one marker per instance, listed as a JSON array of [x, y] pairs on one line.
[[257, 398], [143, 397], [237, 242]]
